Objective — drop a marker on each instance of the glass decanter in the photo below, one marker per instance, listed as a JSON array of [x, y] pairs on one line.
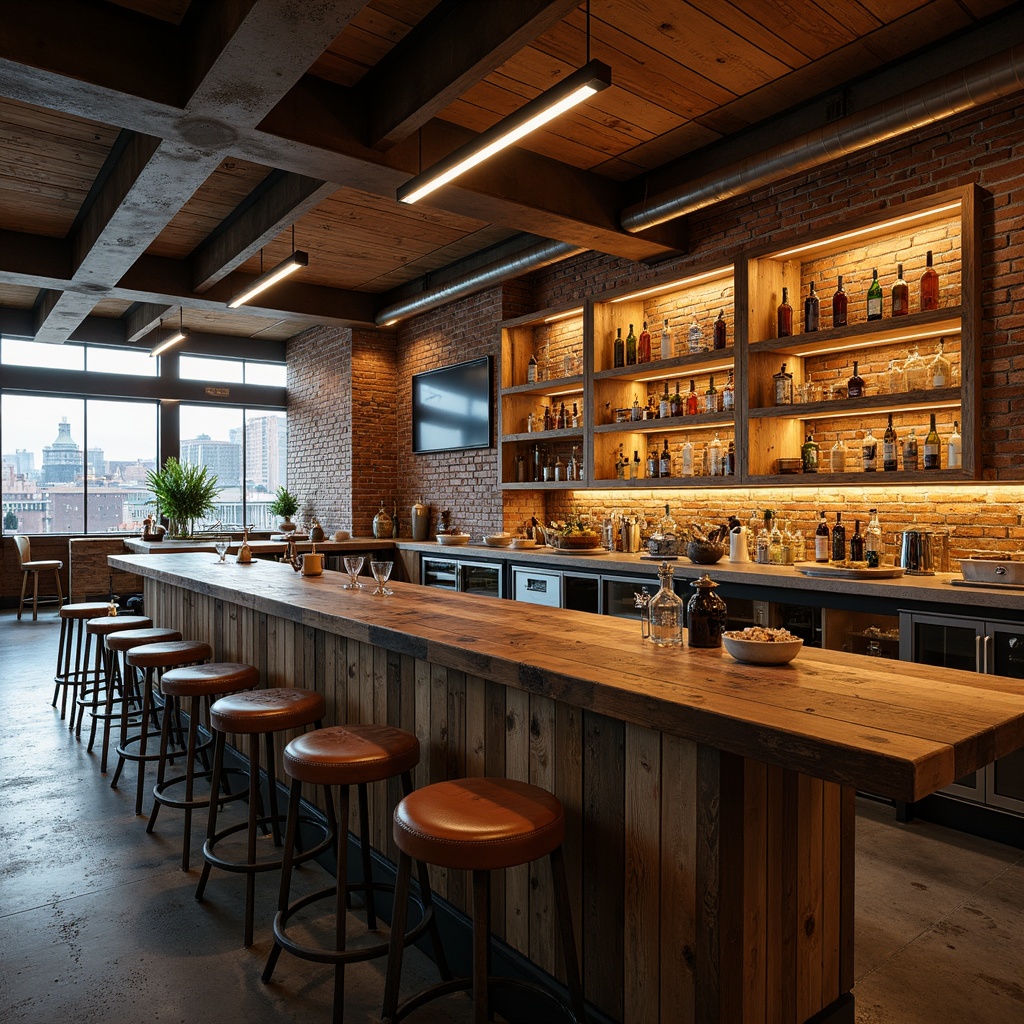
[[915, 371], [662, 621], [939, 374]]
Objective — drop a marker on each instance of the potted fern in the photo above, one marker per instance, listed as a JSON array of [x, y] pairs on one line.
[[182, 492], [285, 505]]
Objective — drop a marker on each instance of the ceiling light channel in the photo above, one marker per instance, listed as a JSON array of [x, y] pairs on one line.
[[296, 261]]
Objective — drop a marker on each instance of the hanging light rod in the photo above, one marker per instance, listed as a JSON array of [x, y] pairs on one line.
[[271, 277], [175, 339], [589, 79]]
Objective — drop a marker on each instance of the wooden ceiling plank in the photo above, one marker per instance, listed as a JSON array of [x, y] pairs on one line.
[[451, 50], [274, 211]]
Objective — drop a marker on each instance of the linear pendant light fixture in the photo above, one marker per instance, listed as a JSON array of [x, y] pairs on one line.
[[594, 76], [175, 339], [297, 260]]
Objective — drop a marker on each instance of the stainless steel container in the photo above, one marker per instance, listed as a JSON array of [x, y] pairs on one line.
[[923, 552]]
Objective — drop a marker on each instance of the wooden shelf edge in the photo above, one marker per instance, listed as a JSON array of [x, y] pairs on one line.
[[671, 424], [876, 479], [547, 387], [908, 401], [567, 433], [661, 369], [675, 482]]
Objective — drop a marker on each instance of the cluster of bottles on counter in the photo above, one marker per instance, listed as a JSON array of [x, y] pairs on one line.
[[537, 370], [713, 458], [831, 545], [667, 405], [768, 543], [564, 419], [928, 292], [633, 350], [914, 373], [896, 452], [542, 466]]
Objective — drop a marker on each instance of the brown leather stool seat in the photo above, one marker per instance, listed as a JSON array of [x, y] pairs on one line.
[[480, 825], [342, 756], [254, 714], [152, 659], [72, 634], [96, 666], [118, 679], [197, 684]]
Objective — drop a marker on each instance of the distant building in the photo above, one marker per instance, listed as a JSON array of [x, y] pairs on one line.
[[62, 460], [23, 462], [223, 458], [262, 452]]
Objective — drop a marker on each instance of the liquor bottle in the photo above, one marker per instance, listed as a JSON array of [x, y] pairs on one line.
[[549, 420], [621, 464], [785, 316], [720, 330], [531, 370], [874, 298], [809, 454], [665, 468], [782, 387], [571, 467], [939, 371], [664, 613], [535, 463], [687, 458], [631, 347], [812, 310], [561, 423], [716, 458], [666, 341], [620, 349], [559, 468], [711, 396], [634, 466], [643, 346], [857, 543], [929, 286], [869, 452], [873, 541], [932, 447], [762, 546], [839, 305], [575, 415], [636, 413], [695, 336], [653, 464], [775, 543], [665, 405], [855, 385], [900, 294], [838, 461], [691, 400], [890, 449], [822, 540], [954, 448], [729, 465], [729, 394], [520, 469], [677, 403], [910, 461], [839, 539]]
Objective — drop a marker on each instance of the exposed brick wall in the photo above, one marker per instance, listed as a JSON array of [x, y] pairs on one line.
[[377, 404]]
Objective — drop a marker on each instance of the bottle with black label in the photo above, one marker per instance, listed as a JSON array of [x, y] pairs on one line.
[[869, 452], [910, 455], [665, 467], [531, 370], [890, 449], [932, 447], [857, 543], [839, 539], [822, 540], [812, 310], [653, 463], [809, 455], [855, 385]]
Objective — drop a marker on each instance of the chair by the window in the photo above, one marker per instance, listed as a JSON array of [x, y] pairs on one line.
[[28, 567]]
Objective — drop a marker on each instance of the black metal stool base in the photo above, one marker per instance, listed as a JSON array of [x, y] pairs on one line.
[[264, 823]]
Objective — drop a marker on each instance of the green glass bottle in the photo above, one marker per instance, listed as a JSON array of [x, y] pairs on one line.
[[631, 347], [874, 298]]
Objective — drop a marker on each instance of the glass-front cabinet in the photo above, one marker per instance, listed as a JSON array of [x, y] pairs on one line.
[[975, 645], [485, 579]]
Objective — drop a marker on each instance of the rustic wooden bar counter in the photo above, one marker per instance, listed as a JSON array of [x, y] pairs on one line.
[[710, 804]]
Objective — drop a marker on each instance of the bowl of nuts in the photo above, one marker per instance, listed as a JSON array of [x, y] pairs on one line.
[[759, 645]]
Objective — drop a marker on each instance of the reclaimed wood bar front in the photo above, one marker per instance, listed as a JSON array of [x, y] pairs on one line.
[[710, 805]]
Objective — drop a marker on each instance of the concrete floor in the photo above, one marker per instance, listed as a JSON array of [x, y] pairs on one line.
[[97, 923]]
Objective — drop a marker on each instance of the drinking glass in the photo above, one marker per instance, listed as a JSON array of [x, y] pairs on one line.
[[381, 571], [353, 565], [221, 546]]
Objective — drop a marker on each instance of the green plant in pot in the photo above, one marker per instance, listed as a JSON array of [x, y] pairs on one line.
[[182, 492], [285, 505]]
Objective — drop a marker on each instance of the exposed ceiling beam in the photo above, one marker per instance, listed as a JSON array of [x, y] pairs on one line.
[[142, 317], [269, 213], [451, 50]]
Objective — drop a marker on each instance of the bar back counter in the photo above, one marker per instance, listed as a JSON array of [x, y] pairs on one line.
[[710, 805]]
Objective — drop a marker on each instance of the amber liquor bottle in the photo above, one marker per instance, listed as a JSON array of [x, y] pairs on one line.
[[890, 450], [929, 286], [839, 305], [643, 346], [785, 316], [839, 539], [900, 294], [822, 540], [855, 385], [812, 310]]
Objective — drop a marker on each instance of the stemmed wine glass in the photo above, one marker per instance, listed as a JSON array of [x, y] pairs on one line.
[[381, 571], [221, 545], [353, 565]]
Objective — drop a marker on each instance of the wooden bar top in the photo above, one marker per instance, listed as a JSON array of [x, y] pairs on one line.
[[258, 547], [893, 728]]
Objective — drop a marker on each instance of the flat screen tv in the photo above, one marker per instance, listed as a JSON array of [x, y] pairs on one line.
[[451, 407]]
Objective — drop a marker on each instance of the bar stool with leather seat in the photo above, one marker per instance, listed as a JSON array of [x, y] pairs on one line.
[[254, 714], [199, 685], [480, 825], [343, 756], [33, 569], [96, 668], [153, 659], [72, 634], [124, 682]]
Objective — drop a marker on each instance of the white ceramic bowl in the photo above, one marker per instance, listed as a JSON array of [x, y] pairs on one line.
[[761, 652], [452, 539], [523, 542], [500, 540]]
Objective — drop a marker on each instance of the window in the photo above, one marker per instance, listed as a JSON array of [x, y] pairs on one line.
[[133, 361], [73, 465], [14, 352], [231, 371]]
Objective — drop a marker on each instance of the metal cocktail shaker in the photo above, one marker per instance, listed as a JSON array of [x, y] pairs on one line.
[[420, 517]]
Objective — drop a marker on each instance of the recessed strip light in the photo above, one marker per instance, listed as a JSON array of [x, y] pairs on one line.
[[659, 289], [294, 262], [580, 85], [839, 411], [175, 339], [563, 316], [874, 229], [917, 336]]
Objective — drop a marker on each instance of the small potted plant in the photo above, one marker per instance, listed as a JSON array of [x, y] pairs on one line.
[[285, 505], [183, 492]]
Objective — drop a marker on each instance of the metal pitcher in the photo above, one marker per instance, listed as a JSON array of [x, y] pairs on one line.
[[922, 552]]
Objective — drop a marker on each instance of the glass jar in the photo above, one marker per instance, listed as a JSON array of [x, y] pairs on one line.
[[915, 372], [662, 620], [705, 615]]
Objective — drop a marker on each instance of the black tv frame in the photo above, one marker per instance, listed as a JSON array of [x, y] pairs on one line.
[[486, 361]]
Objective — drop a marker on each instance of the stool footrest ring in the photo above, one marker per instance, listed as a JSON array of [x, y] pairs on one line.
[[160, 790], [209, 851]]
